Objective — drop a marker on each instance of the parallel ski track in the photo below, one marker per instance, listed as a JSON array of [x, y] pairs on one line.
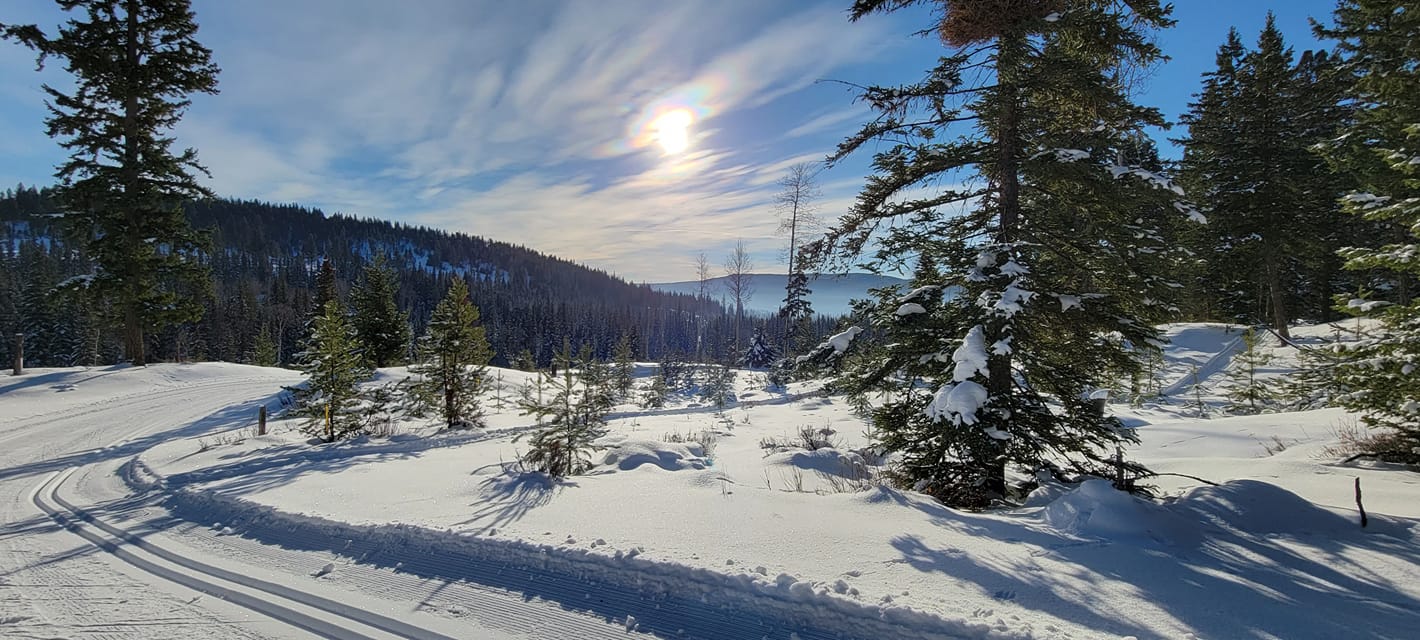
[[317, 615]]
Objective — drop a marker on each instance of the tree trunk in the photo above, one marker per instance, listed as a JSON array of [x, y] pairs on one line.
[[1008, 186], [1278, 299], [132, 318], [133, 335], [449, 416]]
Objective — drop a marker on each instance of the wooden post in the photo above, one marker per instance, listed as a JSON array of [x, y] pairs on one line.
[[1119, 468], [19, 354], [261, 421], [1358, 503], [329, 428]]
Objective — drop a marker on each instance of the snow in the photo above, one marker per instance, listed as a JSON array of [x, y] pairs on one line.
[[1013, 300], [970, 357], [1365, 201], [917, 293], [759, 527], [81, 281], [910, 308], [1097, 510], [958, 402], [840, 342], [1068, 302]]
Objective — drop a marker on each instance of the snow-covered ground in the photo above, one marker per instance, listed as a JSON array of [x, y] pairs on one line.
[[704, 525]]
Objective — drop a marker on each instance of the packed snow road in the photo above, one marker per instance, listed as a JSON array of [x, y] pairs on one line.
[[81, 556]]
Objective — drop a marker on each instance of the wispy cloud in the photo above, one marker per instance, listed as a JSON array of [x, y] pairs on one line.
[[525, 122]]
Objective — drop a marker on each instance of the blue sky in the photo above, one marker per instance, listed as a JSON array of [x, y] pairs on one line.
[[531, 122]]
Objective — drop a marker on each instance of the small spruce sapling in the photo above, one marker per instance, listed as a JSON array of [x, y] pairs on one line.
[[575, 415], [1248, 392]]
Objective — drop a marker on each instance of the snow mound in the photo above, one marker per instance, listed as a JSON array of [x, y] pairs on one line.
[[669, 456], [1097, 509], [827, 460]]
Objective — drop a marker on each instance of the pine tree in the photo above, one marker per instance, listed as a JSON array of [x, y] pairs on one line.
[[1052, 255], [134, 64], [798, 313], [525, 361], [263, 353], [381, 327], [1271, 203], [624, 371], [760, 353], [326, 288], [455, 358], [574, 412], [1377, 41], [1317, 382], [1248, 392], [333, 365]]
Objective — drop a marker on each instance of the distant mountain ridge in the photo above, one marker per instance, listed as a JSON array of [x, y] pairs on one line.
[[264, 258], [831, 294]]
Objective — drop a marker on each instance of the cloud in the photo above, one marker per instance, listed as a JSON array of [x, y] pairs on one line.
[[525, 122]]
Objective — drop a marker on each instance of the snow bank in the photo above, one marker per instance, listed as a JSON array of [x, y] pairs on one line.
[[1099, 510], [776, 601]]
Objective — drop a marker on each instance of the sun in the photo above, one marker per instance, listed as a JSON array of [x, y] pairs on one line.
[[673, 130]]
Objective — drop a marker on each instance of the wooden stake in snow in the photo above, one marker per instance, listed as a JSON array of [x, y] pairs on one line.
[[261, 420], [1358, 503], [19, 354]]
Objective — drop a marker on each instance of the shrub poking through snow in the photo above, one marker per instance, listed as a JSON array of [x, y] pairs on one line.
[[333, 363], [574, 410], [455, 358]]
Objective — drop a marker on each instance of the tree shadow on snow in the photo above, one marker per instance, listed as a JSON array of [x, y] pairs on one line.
[[508, 496], [1227, 584]]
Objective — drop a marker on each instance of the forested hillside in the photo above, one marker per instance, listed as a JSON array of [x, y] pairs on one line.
[[264, 260]]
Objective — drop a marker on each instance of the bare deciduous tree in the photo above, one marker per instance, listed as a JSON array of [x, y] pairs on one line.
[[796, 204], [738, 282], [702, 273]]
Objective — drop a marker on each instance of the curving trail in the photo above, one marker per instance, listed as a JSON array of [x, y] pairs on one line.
[[80, 555]]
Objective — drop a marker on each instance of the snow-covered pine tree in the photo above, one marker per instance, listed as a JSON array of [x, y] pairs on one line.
[[1271, 204], [134, 65], [573, 411], [1049, 245], [1248, 392], [1377, 41], [454, 360], [380, 326], [333, 366], [760, 353]]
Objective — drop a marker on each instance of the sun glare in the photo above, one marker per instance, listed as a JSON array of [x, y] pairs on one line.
[[673, 130]]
